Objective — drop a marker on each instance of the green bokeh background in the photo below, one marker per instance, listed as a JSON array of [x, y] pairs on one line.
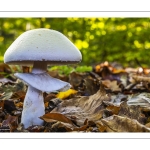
[[122, 40]]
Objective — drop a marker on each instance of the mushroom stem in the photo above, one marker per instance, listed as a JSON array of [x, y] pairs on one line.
[[39, 67], [33, 108], [38, 81]]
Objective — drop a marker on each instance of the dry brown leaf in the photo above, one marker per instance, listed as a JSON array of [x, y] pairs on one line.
[[84, 107], [123, 124], [114, 109], [46, 104], [138, 78], [12, 122], [111, 85], [76, 79], [67, 127], [19, 95], [91, 86], [1, 104], [19, 105], [61, 127], [147, 125], [133, 112], [55, 116], [142, 99], [36, 128], [101, 126], [49, 97]]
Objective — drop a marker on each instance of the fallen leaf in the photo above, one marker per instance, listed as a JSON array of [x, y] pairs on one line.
[[111, 85], [49, 97], [9, 89], [19, 105], [147, 125], [105, 70], [46, 104], [91, 86], [1, 105], [55, 116], [118, 99], [117, 123], [113, 109], [9, 105], [61, 127], [129, 111], [142, 100], [76, 79], [6, 96], [84, 107], [12, 122], [19, 95], [66, 94], [101, 126], [53, 103], [35, 128], [139, 78]]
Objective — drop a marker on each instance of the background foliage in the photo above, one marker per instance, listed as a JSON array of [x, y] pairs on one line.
[[120, 40]]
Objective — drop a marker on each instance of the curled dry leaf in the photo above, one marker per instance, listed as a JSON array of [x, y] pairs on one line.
[[84, 107], [55, 116], [117, 123], [61, 127], [58, 126]]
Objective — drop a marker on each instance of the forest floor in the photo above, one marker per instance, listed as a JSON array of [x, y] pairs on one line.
[[109, 98]]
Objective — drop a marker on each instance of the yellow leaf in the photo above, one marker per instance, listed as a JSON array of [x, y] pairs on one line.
[[63, 95]]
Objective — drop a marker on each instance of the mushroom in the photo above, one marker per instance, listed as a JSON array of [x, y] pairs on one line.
[[40, 47]]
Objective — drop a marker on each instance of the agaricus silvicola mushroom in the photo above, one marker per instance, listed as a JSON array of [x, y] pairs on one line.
[[40, 47]]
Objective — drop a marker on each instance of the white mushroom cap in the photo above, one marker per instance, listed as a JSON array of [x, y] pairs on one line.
[[42, 45], [43, 82]]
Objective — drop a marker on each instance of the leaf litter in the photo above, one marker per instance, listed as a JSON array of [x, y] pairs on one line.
[[106, 99]]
